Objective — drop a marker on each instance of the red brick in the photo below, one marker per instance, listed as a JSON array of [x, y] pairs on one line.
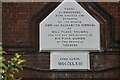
[[19, 29]]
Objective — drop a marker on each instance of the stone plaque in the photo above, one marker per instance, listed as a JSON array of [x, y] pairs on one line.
[[69, 27], [69, 60]]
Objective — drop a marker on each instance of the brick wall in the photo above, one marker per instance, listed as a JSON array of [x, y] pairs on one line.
[[0, 22], [20, 33]]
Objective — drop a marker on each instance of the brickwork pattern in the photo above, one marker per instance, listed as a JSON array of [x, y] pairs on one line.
[[17, 30]]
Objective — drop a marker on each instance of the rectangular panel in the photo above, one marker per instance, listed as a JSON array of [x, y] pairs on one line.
[[69, 60]]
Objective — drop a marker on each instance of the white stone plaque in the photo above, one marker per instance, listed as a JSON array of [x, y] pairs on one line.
[[69, 60], [69, 27]]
